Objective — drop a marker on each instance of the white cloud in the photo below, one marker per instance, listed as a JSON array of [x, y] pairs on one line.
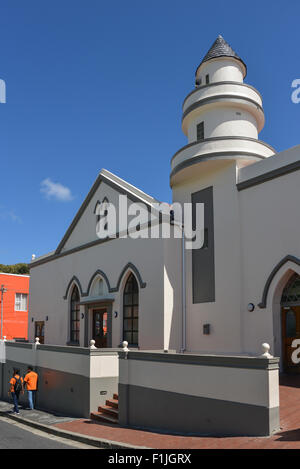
[[9, 215], [56, 190]]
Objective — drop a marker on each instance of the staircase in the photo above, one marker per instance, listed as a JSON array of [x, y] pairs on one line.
[[109, 412]]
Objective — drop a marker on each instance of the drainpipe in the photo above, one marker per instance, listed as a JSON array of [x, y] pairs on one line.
[[183, 286], [183, 338]]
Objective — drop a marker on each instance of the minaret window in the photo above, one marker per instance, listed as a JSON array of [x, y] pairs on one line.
[[198, 82], [200, 131], [207, 79]]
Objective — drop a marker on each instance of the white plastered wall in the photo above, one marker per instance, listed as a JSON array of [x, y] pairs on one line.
[[223, 314], [49, 281], [270, 230], [221, 70], [224, 121]]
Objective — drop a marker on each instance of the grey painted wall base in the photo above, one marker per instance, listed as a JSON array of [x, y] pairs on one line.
[[180, 413], [65, 393]]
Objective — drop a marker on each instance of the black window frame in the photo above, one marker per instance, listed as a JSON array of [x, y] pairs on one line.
[[131, 310], [75, 318]]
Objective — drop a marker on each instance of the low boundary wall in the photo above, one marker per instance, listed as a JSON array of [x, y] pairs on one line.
[[200, 394], [72, 380]]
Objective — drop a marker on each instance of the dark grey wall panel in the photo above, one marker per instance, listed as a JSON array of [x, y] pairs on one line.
[[161, 410], [65, 393], [203, 260]]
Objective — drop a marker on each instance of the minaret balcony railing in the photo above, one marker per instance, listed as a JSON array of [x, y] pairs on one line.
[[229, 88], [241, 149], [238, 95]]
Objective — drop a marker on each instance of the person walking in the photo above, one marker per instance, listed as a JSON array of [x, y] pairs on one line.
[[31, 380], [16, 387]]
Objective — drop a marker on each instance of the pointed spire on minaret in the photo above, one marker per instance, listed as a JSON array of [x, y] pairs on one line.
[[221, 48]]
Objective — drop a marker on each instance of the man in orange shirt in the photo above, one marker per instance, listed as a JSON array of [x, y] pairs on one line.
[[16, 387], [31, 379]]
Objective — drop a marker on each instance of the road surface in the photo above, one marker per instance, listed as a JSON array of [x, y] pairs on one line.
[[14, 435]]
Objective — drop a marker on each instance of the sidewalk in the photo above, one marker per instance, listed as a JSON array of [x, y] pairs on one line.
[[115, 437], [50, 422], [38, 416]]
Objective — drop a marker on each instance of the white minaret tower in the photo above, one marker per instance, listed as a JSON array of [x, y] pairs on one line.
[[221, 118]]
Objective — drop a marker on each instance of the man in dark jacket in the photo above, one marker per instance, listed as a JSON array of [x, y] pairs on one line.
[[16, 387]]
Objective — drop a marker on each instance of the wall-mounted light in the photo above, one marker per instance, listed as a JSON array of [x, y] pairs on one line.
[[116, 314], [251, 307], [32, 319], [47, 318]]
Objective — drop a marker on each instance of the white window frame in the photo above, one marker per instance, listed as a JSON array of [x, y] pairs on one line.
[[21, 301]]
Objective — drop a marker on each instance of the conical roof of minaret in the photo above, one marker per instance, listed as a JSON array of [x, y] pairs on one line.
[[221, 48]]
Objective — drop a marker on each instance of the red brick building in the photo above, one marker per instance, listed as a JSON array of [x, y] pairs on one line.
[[15, 305]]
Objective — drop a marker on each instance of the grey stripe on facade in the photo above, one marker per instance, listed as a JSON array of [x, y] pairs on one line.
[[86, 201], [97, 300], [90, 244], [275, 173], [149, 408], [66, 349], [289, 258], [63, 392], [128, 267], [220, 83], [255, 363], [216, 139], [213, 155], [71, 251], [220, 98]]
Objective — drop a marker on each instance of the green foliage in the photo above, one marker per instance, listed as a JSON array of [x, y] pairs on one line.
[[21, 269]]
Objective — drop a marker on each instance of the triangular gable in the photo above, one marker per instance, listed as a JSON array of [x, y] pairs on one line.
[[120, 186]]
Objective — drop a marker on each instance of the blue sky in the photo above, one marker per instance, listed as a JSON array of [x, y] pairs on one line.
[[94, 84]]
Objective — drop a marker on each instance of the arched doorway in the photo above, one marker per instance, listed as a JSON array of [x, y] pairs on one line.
[[290, 321]]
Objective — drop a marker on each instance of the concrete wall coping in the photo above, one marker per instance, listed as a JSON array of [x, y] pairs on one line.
[[257, 363], [67, 349]]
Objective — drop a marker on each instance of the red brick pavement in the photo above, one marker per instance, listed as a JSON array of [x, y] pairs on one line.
[[288, 437]]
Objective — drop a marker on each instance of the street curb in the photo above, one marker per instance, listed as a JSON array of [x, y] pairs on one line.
[[97, 442]]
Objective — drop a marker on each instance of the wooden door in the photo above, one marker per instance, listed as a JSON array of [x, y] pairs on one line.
[[39, 331], [100, 327], [290, 332]]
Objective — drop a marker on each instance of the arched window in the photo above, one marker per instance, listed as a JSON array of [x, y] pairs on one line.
[[291, 293], [131, 311], [97, 288], [75, 316]]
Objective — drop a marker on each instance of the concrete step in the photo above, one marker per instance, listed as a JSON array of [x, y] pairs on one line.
[[108, 410], [101, 417], [112, 403]]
